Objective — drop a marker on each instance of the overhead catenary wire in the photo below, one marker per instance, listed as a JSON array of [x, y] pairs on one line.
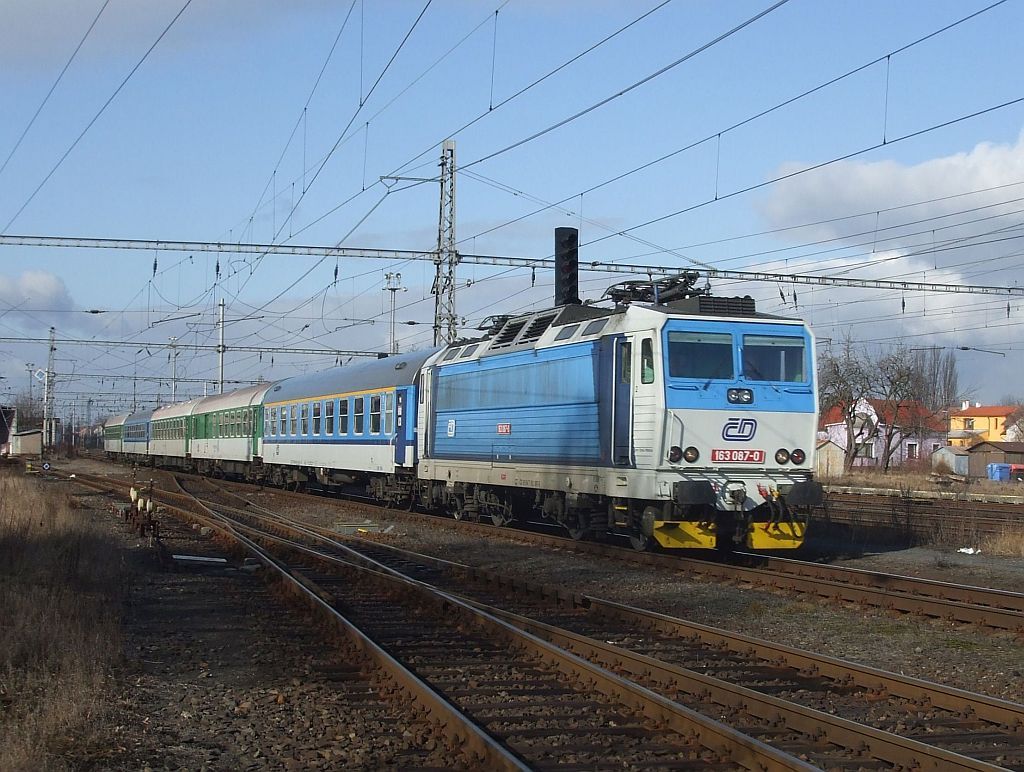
[[96, 117]]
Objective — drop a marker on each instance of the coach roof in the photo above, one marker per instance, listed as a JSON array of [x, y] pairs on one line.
[[397, 370]]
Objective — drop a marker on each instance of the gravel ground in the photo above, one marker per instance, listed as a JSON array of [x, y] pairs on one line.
[[220, 674], [935, 650]]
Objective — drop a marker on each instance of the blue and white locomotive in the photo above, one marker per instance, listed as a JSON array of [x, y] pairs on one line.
[[670, 417]]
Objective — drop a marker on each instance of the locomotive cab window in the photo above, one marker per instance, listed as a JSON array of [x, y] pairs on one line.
[[647, 361], [774, 358], [704, 355]]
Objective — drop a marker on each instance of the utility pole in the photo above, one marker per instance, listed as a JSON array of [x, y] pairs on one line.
[[48, 395], [393, 285], [220, 346], [174, 369], [446, 257], [30, 367]]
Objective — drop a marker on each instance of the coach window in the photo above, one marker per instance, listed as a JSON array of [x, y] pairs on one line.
[[389, 412], [329, 418], [304, 413], [375, 414], [269, 424], [343, 416], [293, 422], [357, 415], [647, 361], [316, 418]]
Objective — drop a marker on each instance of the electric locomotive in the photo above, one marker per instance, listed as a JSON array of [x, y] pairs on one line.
[[673, 417]]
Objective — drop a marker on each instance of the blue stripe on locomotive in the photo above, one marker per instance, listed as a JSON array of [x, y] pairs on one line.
[[711, 393], [543, 401]]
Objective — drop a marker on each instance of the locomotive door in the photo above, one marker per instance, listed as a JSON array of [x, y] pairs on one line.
[[622, 392]]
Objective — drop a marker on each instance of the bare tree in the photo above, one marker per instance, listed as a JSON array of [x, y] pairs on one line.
[[844, 381], [902, 386], [1014, 425], [940, 384]]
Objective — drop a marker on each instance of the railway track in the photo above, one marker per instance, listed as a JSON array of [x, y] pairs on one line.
[[998, 610], [946, 519], [504, 698], [831, 713]]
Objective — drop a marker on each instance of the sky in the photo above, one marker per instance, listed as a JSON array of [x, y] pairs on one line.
[[855, 140]]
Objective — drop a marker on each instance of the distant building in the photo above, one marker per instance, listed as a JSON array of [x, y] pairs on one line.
[[7, 427], [911, 430], [828, 459], [27, 443], [951, 458], [976, 423], [985, 453]]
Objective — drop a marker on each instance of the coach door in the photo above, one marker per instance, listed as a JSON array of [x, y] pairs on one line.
[[621, 397]]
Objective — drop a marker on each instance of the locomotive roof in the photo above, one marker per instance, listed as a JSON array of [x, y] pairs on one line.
[[396, 370], [573, 323]]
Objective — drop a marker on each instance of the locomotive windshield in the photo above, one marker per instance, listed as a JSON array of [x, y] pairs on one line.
[[774, 358], [700, 355]]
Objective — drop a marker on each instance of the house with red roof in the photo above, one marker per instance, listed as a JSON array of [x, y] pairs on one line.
[[980, 423], [884, 433]]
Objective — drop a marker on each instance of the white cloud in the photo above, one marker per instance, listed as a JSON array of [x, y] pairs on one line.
[[978, 238]]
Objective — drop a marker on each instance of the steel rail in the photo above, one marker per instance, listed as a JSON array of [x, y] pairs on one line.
[[458, 728], [672, 679], [925, 598], [715, 736]]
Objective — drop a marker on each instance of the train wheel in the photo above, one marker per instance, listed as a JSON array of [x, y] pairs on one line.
[[500, 520], [581, 528], [641, 542]]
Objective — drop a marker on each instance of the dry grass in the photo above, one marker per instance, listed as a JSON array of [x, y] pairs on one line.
[[60, 597], [1008, 544], [920, 481]]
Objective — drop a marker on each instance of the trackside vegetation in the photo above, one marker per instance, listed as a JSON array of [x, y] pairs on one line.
[[61, 590]]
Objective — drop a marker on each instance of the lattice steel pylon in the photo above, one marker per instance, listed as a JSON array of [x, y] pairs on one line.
[[446, 257]]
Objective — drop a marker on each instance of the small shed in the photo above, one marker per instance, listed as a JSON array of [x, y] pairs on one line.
[[27, 443], [829, 459], [951, 458], [985, 453]]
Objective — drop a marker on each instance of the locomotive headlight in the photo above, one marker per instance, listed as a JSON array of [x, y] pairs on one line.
[[740, 396], [781, 456], [691, 454], [675, 454], [798, 456]]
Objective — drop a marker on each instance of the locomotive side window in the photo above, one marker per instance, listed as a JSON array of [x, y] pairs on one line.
[[375, 414], [329, 418], [343, 416], [357, 415], [594, 327], [625, 363], [647, 361], [567, 332], [700, 355], [774, 358]]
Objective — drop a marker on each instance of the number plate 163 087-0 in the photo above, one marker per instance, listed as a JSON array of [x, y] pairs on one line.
[[736, 456]]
